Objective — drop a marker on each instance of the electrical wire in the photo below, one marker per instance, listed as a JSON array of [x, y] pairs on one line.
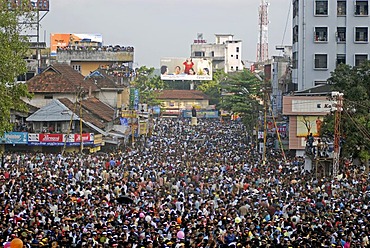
[[363, 130], [286, 23]]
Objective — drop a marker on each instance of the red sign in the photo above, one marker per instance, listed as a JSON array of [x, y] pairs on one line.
[[85, 137], [50, 137]]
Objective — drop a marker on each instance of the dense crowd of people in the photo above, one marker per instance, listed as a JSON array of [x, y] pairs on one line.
[[186, 186]]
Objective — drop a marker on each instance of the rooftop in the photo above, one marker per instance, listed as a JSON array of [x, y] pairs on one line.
[[60, 78]]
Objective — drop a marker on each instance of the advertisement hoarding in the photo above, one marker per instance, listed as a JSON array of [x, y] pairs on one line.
[[58, 139], [191, 69], [65, 40], [309, 124], [201, 114], [14, 138]]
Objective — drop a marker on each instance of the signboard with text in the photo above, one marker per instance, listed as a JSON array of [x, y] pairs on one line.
[[58, 139], [14, 138], [191, 69], [65, 40]]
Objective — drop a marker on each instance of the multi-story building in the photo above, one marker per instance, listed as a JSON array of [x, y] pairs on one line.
[[281, 82], [225, 53], [88, 59], [325, 34]]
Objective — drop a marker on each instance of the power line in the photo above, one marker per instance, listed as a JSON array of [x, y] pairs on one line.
[[358, 126], [286, 23]]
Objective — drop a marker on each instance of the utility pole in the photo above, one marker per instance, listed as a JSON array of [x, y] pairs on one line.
[[338, 97], [81, 138], [264, 124]]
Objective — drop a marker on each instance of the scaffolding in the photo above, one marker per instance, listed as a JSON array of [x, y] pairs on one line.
[[31, 26]]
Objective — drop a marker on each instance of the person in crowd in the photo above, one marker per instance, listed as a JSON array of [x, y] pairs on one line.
[[185, 186]]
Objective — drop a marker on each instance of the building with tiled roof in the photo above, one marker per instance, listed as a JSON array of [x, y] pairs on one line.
[[63, 117], [174, 101], [114, 88], [58, 81]]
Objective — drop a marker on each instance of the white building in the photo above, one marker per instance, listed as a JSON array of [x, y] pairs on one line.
[[325, 34], [225, 53]]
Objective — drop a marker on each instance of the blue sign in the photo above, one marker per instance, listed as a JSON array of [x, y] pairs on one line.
[[15, 138], [124, 121], [201, 114], [36, 143], [136, 99]]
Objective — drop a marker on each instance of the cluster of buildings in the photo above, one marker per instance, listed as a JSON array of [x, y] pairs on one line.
[[89, 83]]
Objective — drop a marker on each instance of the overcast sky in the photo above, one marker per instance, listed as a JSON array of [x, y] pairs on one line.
[[167, 28]]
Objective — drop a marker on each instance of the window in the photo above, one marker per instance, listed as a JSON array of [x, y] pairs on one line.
[[76, 68], [321, 61], [341, 59], [48, 97], [361, 34], [232, 68], [295, 8], [341, 8], [341, 34], [237, 68], [361, 8], [319, 82], [321, 34], [295, 34], [237, 49], [198, 54], [232, 56], [295, 60], [321, 7], [360, 58], [237, 56], [212, 54]]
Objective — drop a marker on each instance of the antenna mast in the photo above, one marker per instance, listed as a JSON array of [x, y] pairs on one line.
[[262, 45]]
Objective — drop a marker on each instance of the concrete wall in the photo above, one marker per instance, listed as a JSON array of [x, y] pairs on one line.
[[87, 55], [305, 75]]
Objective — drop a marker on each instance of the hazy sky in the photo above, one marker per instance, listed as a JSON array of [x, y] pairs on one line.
[[167, 28]]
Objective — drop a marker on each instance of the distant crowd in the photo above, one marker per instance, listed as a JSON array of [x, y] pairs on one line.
[[186, 186]]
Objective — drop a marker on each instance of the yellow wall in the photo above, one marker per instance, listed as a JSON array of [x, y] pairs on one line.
[[183, 104], [88, 66]]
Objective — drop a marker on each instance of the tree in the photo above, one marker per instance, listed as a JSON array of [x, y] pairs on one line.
[[13, 49], [148, 85], [242, 94], [354, 82], [212, 88]]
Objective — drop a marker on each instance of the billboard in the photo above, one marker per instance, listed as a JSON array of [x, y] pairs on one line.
[[309, 124], [65, 40], [58, 139], [186, 69], [14, 138], [201, 114]]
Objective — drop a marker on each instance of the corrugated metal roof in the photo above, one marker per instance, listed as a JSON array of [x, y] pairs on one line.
[[54, 111]]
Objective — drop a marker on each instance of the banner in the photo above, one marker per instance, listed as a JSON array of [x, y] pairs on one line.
[[65, 40], [309, 124], [201, 114], [186, 69], [58, 139], [14, 138], [51, 137]]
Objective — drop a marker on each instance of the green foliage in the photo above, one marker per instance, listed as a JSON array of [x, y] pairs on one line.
[[13, 49], [354, 82], [241, 93], [212, 88], [147, 83]]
